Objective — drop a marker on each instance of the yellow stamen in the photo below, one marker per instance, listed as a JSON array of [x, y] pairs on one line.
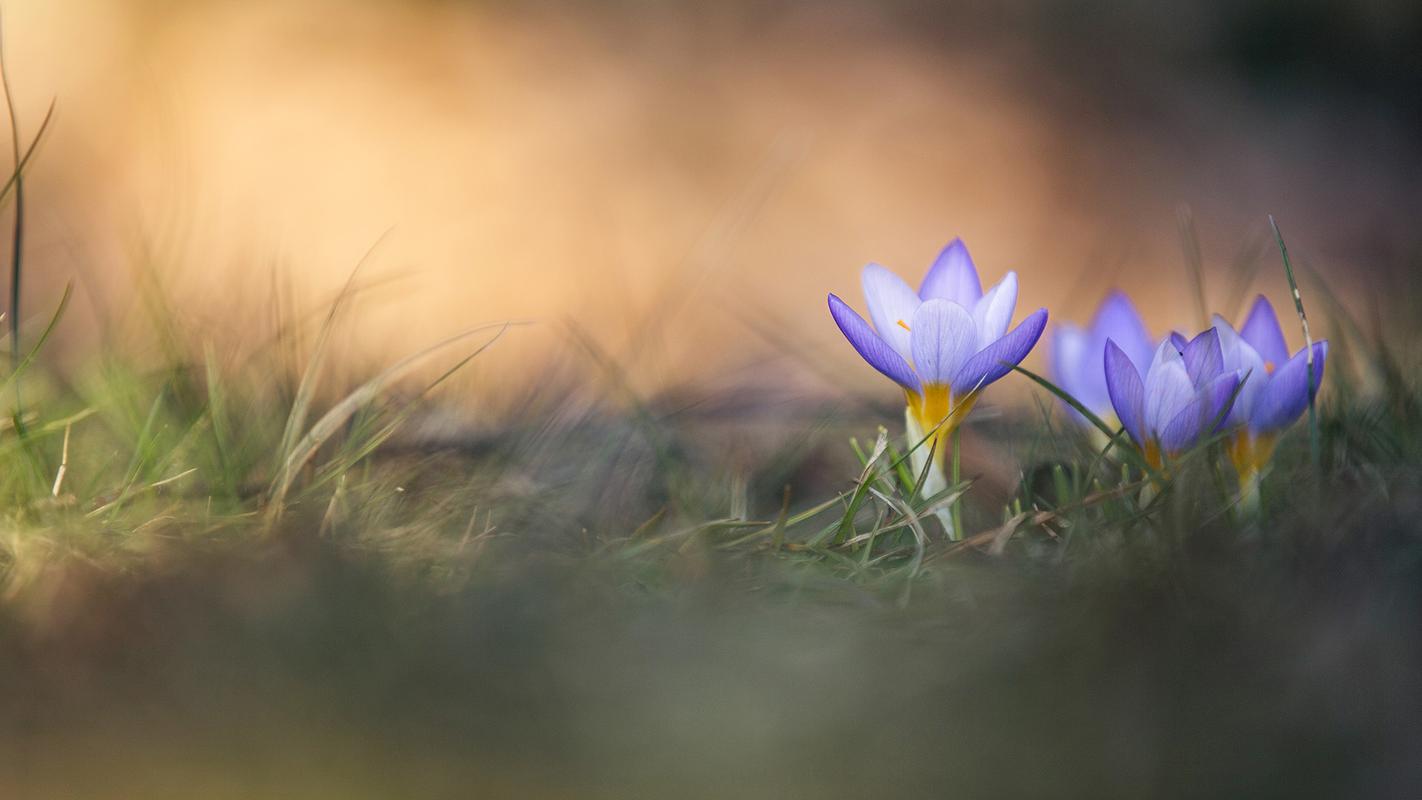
[[1249, 454], [938, 413], [1152, 455], [905, 327]]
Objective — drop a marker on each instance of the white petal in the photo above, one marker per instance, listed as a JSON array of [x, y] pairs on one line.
[[993, 313], [892, 304], [1168, 389]]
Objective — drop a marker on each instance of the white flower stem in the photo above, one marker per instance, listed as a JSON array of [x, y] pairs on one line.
[[957, 511], [1249, 495]]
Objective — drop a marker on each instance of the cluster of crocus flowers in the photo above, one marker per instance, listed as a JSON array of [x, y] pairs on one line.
[[946, 342], [941, 344], [1242, 382]]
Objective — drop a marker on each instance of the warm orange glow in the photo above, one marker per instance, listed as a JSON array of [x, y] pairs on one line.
[[567, 168]]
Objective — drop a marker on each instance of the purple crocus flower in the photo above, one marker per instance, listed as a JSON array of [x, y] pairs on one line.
[[1183, 396], [1276, 391], [942, 344], [1078, 353]]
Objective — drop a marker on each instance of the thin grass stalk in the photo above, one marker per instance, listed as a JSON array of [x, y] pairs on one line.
[[17, 239], [1194, 262], [1315, 451]]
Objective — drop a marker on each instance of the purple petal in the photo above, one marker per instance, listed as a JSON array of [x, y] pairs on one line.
[[998, 358], [1071, 367], [1068, 354], [1202, 415], [953, 277], [1261, 329], [944, 336], [873, 349], [1118, 321], [1204, 360], [1123, 383], [891, 306], [1285, 396]]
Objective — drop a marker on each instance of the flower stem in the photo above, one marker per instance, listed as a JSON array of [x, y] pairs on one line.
[[1249, 495], [957, 511]]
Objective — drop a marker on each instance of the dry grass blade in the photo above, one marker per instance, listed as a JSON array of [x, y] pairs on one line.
[[995, 539], [44, 337], [301, 404], [1194, 263], [328, 425]]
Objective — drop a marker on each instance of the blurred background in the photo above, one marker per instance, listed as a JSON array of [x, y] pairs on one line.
[[665, 191], [681, 183]]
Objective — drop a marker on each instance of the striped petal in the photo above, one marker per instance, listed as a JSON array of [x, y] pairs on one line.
[[1123, 384], [1201, 416], [998, 358], [953, 277], [871, 347], [944, 337], [891, 306], [1203, 358]]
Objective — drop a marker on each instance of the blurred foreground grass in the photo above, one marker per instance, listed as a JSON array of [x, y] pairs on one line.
[[212, 587]]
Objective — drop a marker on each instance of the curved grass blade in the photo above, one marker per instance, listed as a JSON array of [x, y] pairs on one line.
[[1313, 442], [326, 427], [1112, 435]]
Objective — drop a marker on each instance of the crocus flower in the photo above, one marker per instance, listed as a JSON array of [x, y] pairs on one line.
[[1078, 353], [942, 344], [1183, 397], [1276, 392]]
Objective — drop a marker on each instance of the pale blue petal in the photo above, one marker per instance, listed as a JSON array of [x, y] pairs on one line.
[[1076, 370], [1242, 360], [1285, 396], [1168, 388], [998, 358], [953, 277], [872, 348], [944, 337]]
